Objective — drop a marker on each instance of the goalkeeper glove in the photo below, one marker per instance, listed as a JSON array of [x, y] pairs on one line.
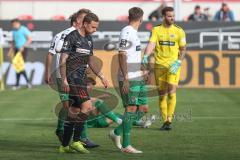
[[175, 66], [145, 60]]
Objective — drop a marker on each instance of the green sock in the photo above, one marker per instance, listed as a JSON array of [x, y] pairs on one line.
[[118, 130], [102, 107], [84, 131], [138, 121], [61, 118], [127, 123], [111, 115]]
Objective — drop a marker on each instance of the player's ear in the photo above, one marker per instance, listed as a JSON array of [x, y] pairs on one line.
[[85, 24]]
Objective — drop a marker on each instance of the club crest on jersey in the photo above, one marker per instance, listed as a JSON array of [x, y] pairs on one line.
[[133, 99], [90, 43], [65, 43], [172, 36]]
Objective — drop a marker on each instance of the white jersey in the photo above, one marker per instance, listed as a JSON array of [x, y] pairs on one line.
[[130, 43], [56, 46]]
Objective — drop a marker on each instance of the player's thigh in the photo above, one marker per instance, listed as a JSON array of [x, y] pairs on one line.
[[143, 108], [73, 112], [86, 106], [64, 97], [173, 79], [79, 96], [130, 98], [142, 97], [161, 76], [172, 88]]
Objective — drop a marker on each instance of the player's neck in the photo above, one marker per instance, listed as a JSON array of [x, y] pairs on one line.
[[166, 25], [135, 25], [82, 32]]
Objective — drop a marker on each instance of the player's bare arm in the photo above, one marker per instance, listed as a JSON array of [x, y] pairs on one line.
[[182, 53], [148, 51], [150, 48], [48, 66], [97, 72], [122, 58], [63, 60]]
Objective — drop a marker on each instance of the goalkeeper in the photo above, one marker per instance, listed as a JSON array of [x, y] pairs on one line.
[[168, 42]]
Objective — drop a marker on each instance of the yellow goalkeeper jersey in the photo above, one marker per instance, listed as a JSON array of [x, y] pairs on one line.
[[168, 41]]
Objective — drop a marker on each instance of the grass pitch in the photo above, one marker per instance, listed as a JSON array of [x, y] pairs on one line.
[[207, 127]]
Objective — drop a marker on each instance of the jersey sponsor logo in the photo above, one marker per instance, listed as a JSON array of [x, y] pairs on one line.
[[138, 48], [167, 43], [83, 51]]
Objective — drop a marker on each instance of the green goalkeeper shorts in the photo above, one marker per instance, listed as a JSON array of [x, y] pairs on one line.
[[63, 96], [137, 94]]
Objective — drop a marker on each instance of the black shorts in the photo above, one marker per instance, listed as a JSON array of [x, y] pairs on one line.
[[78, 92]]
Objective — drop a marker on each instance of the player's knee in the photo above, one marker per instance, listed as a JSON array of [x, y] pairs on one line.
[[172, 96], [162, 93], [131, 109], [162, 98], [87, 107], [73, 112], [143, 109], [171, 89]]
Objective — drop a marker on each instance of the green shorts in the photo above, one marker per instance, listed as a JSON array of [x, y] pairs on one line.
[[63, 96], [137, 94]]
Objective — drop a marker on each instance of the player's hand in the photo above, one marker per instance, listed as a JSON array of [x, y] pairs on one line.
[[21, 49], [47, 78], [175, 66], [125, 87], [105, 82], [145, 60], [146, 77], [65, 86]]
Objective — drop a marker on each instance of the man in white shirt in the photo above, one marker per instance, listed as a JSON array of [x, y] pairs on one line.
[[131, 81]]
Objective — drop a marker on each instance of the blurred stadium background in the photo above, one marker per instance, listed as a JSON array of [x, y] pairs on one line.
[[208, 99]]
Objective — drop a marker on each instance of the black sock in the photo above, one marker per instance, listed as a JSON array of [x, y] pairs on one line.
[[25, 76], [79, 125], [17, 78], [68, 131]]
